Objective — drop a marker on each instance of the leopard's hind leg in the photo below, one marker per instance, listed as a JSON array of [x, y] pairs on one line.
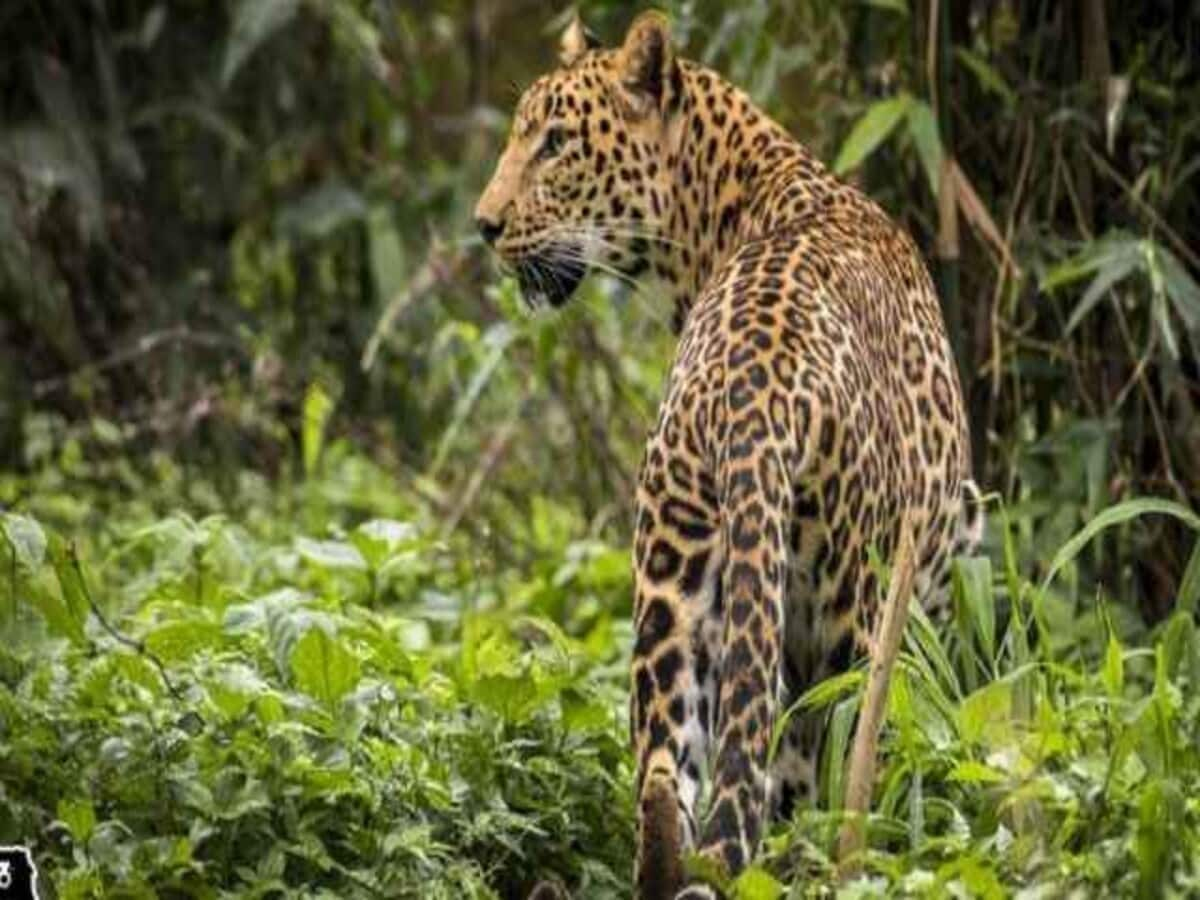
[[755, 499]]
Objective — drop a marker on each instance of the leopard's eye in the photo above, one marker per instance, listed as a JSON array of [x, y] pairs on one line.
[[552, 143]]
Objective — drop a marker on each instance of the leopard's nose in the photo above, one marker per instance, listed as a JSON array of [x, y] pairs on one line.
[[490, 229]]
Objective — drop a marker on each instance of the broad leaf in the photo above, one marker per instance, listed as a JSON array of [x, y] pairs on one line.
[[323, 668], [331, 554], [757, 884]]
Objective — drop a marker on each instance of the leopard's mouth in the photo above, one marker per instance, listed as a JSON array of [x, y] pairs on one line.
[[550, 278]]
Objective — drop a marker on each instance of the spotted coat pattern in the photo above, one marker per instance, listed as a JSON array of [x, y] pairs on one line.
[[813, 397]]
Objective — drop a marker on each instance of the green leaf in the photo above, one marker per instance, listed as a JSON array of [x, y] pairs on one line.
[[985, 716], [1115, 515], [986, 75], [234, 687], [253, 22], [923, 129], [896, 6], [180, 639], [1093, 257], [321, 211], [79, 817], [1114, 668], [72, 607], [26, 538], [317, 408], [870, 131], [820, 695], [331, 554], [756, 884], [972, 772], [378, 539], [1181, 288], [1114, 268], [837, 739], [1189, 585], [973, 585], [1157, 811], [580, 713], [323, 668]]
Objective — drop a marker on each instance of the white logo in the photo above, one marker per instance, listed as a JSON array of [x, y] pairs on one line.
[[18, 874]]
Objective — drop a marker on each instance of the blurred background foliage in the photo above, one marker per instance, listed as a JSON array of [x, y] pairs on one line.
[[208, 209]]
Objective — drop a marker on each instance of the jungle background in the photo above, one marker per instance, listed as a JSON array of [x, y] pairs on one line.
[[314, 567]]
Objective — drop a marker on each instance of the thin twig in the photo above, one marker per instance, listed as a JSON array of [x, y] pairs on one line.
[[442, 264], [1149, 211], [497, 447], [1155, 414], [861, 775], [123, 639], [1002, 281], [147, 343]]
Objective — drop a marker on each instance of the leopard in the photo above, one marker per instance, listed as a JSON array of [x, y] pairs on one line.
[[812, 403]]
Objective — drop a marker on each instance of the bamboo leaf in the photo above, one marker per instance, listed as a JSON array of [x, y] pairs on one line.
[[923, 129], [1114, 269], [987, 76], [870, 131], [1180, 287], [1093, 257]]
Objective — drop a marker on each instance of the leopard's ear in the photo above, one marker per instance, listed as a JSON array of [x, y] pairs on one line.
[[576, 40], [646, 59]]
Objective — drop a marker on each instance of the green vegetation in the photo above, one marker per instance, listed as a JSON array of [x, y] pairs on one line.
[[235, 703], [314, 549]]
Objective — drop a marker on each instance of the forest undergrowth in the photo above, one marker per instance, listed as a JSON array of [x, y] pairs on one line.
[[309, 689]]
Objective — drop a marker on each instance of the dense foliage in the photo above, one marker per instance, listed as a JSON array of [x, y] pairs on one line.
[[314, 549], [315, 692]]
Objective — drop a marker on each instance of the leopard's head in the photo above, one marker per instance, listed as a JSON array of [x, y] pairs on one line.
[[583, 182]]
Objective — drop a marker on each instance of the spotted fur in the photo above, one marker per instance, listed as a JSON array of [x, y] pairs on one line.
[[812, 399]]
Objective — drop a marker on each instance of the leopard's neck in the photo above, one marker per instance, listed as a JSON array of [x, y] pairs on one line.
[[737, 175]]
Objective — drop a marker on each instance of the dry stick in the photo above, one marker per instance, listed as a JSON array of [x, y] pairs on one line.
[[145, 344], [491, 459], [861, 776], [441, 265]]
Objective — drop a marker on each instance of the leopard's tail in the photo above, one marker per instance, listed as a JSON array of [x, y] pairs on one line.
[[660, 851]]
